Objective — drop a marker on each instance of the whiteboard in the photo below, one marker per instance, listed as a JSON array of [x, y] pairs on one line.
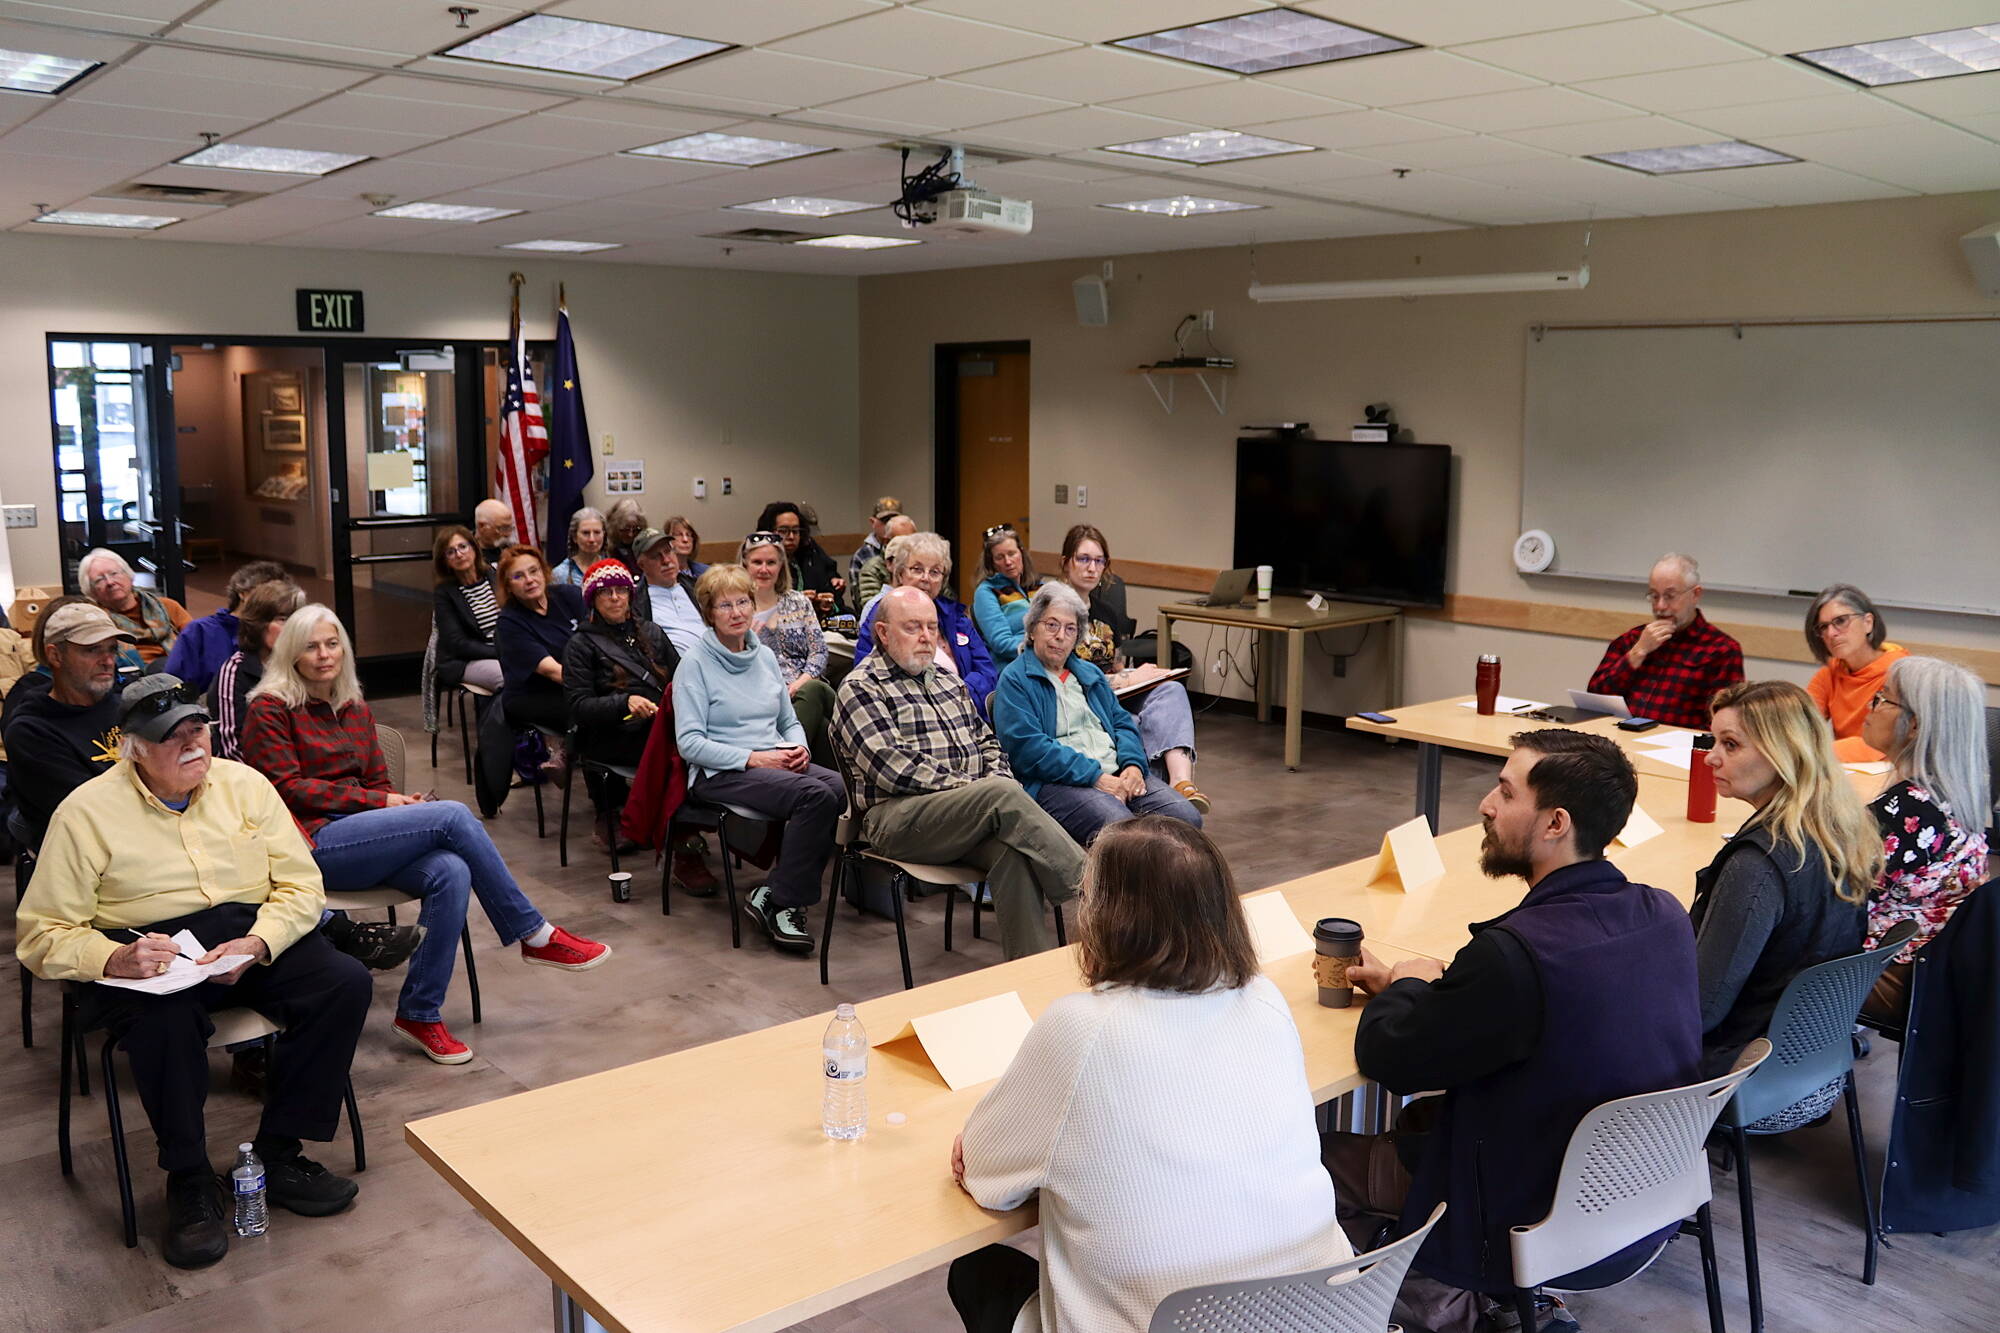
[[1785, 457]]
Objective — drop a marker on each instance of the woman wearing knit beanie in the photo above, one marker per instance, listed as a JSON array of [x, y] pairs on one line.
[[615, 672]]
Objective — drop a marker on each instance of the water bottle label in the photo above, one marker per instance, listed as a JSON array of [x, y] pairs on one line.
[[249, 1184]]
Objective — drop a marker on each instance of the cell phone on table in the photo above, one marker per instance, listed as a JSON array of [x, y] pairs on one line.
[[1381, 718], [1636, 723]]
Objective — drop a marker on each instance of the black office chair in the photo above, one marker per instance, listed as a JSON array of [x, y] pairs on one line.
[[24, 870]]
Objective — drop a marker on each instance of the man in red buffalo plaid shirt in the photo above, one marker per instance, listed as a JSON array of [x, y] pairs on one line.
[[1671, 666]]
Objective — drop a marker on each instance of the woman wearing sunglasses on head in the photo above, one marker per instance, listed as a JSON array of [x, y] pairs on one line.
[[787, 624], [1007, 579], [1848, 637]]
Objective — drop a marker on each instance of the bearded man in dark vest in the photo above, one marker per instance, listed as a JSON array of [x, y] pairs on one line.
[[1584, 993]]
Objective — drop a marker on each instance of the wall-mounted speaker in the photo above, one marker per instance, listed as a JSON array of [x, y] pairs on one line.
[[1982, 252], [1093, 302]]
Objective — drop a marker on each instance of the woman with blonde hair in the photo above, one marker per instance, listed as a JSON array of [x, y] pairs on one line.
[[686, 543], [310, 732], [789, 627], [1790, 889], [1929, 719], [922, 560]]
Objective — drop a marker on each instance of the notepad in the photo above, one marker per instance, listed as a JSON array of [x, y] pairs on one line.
[[1274, 927], [181, 972], [1665, 740], [1409, 856], [1641, 827], [972, 1043], [1677, 758]]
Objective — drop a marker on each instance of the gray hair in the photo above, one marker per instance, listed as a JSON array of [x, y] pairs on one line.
[[1689, 566], [576, 522], [902, 550], [1054, 596], [132, 748], [1947, 755], [93, 556], [1850, 596]]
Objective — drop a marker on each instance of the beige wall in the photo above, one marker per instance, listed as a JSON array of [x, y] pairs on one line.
[[1161, 486], [701, 372]]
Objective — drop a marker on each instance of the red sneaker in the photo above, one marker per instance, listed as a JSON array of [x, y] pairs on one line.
[[572, 953], [434, 1040]]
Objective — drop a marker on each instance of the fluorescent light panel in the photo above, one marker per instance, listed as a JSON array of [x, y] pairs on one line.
[[1934, 55], [573, 46], [730, 150], [1266, 40], [445, 212], [77, 217], [33, 72], [1694, 157], [565, 247], [1204, 146], [802, 206], [250, 157], [1183, 206], [858, 242]]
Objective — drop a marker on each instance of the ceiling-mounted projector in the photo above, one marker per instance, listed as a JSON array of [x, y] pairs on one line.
[[976, 213], [1465, 284]]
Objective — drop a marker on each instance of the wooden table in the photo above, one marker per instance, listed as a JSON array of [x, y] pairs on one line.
[[695, 1193], [1293, 618], [1444, 725]]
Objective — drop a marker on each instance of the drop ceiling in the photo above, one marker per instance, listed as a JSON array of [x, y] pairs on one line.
[[1490, 122]]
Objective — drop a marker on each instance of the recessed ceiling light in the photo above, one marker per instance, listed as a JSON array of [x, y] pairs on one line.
[[800, 206], [445, 212], [77, 217], [33, 72], [250, 157], [731, 150], [1694, 157], [1266, 40], [1204, 146], [1182, 206], [858, 242], [1934, 55], [572, 46], [565, 247]]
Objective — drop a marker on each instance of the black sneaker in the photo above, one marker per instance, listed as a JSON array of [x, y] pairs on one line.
[[377, 944], [307, 1188], [196, 1235]]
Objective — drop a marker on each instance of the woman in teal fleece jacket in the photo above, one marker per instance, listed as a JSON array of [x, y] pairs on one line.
[[1069, 741], [1007, 579]]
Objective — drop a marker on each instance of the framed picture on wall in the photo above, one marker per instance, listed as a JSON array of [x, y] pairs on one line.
[[286, 398], [285, 432], [278, 434]]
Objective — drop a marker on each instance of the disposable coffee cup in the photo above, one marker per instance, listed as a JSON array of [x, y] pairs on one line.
[[1336, 947], [621, 886], [1263, 583]]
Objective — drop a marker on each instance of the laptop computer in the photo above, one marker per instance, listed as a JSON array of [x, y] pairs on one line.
[[1584, 706], [1231, 587]]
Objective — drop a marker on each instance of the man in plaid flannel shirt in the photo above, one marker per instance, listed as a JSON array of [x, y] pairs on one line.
[[1671, 666], [931, 784]]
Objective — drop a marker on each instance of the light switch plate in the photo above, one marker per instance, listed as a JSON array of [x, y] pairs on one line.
[[701, 488], [1083, 497]]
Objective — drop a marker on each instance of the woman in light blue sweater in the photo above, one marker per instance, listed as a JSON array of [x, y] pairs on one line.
[[743, 744]]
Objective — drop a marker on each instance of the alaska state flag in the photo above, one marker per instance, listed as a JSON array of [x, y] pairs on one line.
[[569, 438]]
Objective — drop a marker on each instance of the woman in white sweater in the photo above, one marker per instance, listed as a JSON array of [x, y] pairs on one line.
[[1163, 1115]]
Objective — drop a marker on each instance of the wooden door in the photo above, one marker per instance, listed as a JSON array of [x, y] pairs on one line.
[[992, 456]]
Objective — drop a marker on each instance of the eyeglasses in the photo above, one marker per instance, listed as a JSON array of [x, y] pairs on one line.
[[1882, 700], [1057, 629], [99, 580], [764, 539], [1665, 598], [998, 529], [154, 705], [733, 604], [787, 530], [1837, 623], [1089, 561]]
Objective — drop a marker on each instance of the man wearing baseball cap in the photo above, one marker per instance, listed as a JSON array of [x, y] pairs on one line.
[[63, 736], [668, 595], [171, 840]]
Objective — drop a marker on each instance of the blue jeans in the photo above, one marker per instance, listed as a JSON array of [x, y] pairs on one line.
[[1166, 721], [1082, 811], [439, 852]]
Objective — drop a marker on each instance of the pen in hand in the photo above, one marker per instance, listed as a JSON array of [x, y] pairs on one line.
[[138, 935]]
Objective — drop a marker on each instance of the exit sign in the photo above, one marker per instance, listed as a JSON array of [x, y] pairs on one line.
[[329, 311]]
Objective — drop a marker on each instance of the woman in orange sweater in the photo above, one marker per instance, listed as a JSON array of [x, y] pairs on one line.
[[1847, 634]]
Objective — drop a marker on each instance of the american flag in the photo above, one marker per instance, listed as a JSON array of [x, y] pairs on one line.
[[524, 441]]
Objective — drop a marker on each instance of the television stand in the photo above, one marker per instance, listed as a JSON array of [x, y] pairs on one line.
[[1293, 618]]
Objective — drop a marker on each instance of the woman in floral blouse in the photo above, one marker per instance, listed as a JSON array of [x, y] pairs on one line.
[[1929, 719], [788, 625]]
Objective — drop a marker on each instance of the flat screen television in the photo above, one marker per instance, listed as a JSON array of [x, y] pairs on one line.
[[1361, 522]]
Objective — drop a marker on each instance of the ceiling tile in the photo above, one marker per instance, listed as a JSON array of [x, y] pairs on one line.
[[613, 176], [452, 93], [936, 104], [1856, 109], [91, 147], [1279, 172], [742, 22], [1098, 20], [1077, 127], [406, 179], [1355, 129], [1949, 99], [822, 137], [1469, 150], [17, 107], [1613, 136], [1450, 22], [1985, 126], [1785, 26], [40, 178], [390, 27], [1734, 84], [586, 138], [151, 90], [919, 41], [364, 233], [137, 16], [1604, 50], [1236, 104], [1524, 108], [1095, 74], [242, 69], [51, 41], [1921, 155], [396, 114], [1452, 197], [103, 118], [289, 133], [771, 78], [512, 158], [1798, 183], [1399, 77], [1606, 186], [264, 219]]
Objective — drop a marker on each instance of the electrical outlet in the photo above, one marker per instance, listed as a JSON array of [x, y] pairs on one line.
[[1107, 270], [20, 516], [1062, 494], [701, 488], [1082, 497], [1208, 321], [608, 449], [728, 486]]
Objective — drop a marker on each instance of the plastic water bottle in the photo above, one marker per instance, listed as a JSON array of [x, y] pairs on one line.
[[844, 1108], [246, 1181]]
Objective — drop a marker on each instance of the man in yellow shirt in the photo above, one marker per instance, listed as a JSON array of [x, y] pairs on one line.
[[170, 839]]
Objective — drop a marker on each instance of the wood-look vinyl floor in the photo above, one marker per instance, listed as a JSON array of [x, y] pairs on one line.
[[412, 1255]]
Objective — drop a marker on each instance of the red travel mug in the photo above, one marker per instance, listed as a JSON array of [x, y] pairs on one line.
[[1701, 782], [1486, 682]]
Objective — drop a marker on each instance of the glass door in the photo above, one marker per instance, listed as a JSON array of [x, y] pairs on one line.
[[116, 473], [404, 465]]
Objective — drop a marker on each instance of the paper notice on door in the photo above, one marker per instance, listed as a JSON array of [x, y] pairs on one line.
[[972, 1043], [393, 471], [1641, 827], [1274, 927], [1409, 856]]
